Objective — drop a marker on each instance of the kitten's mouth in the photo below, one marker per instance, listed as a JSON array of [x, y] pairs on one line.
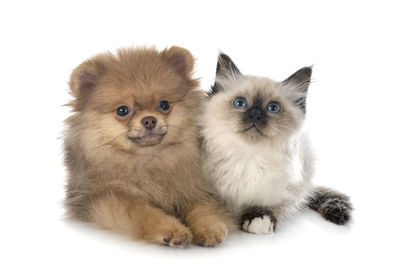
[[253, 127]]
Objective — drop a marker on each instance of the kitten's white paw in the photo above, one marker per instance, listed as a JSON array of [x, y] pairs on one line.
[[259, 225]]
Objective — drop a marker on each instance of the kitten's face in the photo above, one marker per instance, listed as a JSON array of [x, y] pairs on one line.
[[256, 109]]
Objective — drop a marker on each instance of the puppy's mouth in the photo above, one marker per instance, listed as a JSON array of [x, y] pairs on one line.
[[148, 138]]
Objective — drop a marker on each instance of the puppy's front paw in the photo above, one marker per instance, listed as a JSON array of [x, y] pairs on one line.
[[258, 220], [174, 234], [210, 235], [177, 238], [259, 225]]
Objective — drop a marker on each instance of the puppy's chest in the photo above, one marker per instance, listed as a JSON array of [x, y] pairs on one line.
[[167, 175], [254, 179]]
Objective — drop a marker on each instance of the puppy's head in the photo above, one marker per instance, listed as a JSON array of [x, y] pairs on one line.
[[135, 98], [256, 108]]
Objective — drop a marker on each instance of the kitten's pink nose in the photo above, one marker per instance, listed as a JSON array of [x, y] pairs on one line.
[[149, 122]]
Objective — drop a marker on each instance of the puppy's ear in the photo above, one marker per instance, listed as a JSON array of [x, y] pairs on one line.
[[83, 81], [298, 83], [181, 59], [226, 69]]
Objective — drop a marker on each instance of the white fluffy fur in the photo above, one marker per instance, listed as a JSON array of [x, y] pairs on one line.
[[274, 172]]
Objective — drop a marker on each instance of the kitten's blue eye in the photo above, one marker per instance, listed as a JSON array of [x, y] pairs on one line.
[[240, 102], [122, 111], [273, 107], [164, 105]]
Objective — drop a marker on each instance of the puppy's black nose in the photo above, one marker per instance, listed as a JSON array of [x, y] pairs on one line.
[[255, 114], [149, 122]]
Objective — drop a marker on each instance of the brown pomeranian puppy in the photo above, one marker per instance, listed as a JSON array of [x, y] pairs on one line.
[[132, 149]]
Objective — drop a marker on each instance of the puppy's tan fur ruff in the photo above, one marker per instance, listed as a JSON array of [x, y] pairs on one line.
[[151, 188]]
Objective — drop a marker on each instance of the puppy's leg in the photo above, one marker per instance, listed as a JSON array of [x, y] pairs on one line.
[[136, 217], [209, 223], [258, 220], [332, 205]]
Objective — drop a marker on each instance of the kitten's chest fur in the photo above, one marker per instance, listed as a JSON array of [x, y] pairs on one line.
[[247, 175]]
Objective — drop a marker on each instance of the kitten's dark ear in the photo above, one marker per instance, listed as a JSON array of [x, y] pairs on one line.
[[83, 80], [225, 68], [299, 83], [181, 59]]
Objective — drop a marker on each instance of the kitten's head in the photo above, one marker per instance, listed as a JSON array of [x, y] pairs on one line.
[[256, 108]]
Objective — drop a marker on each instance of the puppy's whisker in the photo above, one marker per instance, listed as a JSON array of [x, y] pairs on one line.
[[181, 128], [192, 132], [107, 142], [113, 138]]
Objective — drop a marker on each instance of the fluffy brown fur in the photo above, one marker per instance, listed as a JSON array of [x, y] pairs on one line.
[[147, 183]]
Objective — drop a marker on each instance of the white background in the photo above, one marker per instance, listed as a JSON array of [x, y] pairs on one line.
[[353, 120]]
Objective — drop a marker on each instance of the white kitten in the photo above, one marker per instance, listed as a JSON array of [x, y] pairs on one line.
[[256, 153]]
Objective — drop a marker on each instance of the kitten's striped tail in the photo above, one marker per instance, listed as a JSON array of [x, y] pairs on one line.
[[332, 205]]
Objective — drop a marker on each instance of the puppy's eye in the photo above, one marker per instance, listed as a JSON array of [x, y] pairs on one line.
[[122, 111], [273, 107], [164, 105], [240, 102]]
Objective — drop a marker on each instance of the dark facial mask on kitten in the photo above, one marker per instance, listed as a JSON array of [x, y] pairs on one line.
[[259, 107], [227, 69]]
